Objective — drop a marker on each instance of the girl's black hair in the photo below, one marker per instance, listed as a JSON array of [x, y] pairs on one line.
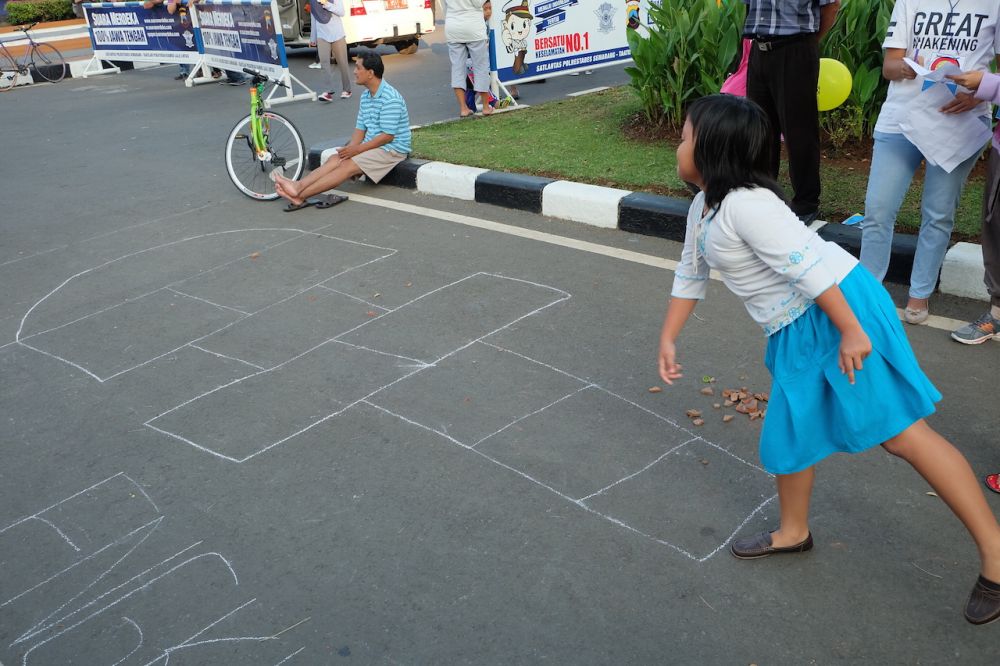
[[732, 143]]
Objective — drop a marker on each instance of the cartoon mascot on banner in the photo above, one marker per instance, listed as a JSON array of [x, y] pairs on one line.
[[632, 11], [516, 26]]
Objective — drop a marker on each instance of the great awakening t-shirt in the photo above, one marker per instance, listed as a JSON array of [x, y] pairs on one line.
[[935, 32]]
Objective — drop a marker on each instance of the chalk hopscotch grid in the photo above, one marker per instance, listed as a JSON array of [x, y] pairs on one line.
[[170, 288], [352, 296], [419, 365], [68, 622], [586, 385], [582, 501]]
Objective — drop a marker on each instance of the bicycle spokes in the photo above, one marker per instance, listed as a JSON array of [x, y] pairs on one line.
[[273, 148]]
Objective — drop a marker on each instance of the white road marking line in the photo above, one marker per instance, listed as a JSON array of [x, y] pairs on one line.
[[588, 91], [934, 321]]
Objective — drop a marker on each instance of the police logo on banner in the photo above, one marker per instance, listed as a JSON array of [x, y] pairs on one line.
[[605, 17]]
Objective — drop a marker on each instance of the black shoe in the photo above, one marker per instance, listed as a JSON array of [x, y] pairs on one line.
[[984, 602], [759, 545], [808, 218]]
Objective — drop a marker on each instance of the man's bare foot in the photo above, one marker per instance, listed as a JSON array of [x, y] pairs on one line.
[[289, 185], [487, 110], [282, 189], [465, 112]]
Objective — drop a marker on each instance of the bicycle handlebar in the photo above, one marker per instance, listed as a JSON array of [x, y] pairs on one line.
[[258, 76]]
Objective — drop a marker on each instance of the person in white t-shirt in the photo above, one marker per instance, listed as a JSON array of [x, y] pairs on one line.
[[465, 31], [844, 376], [330, 35], [931, 32]]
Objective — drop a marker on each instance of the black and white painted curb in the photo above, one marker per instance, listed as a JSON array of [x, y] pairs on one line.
[[638, 212]]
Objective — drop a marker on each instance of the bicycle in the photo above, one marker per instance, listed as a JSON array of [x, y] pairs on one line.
[[43, 58], [262, 145]]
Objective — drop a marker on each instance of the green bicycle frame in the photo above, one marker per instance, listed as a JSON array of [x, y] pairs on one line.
[[258, 123]]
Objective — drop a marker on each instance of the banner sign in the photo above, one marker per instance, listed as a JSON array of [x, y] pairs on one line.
[[237, 34], [226, 34], [535, 39], [128, 31]]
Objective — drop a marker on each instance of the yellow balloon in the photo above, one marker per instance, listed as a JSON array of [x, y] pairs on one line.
[[834, 84]]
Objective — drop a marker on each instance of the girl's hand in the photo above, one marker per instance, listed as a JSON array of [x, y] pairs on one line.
[[670, 369], [963, 102], [854, 348], [970, 80]]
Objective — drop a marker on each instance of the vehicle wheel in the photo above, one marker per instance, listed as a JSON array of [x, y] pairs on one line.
[[48, 62], [252, 175], [409, 47]]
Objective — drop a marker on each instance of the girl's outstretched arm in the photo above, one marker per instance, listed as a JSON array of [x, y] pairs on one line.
[[854, 343], [677, 315]]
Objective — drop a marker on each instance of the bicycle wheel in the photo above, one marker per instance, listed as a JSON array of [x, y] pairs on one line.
[[251, 174], [8, 73], [48, 62]]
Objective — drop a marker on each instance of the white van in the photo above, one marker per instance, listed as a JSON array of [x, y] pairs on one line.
[[400, 23]]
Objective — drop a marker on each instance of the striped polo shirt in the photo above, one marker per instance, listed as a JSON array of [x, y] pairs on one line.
[[385, 113], [782, 17]]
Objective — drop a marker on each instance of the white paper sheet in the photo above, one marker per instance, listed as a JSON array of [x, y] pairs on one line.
[[919, 69], [945, 139]]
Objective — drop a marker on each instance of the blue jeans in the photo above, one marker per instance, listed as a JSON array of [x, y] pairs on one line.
[[894, 161]]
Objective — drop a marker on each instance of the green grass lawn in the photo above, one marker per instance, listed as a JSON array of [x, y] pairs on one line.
[[581, 139]]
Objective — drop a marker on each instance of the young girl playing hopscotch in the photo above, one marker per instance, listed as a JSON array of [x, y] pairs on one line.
[[844, 376]]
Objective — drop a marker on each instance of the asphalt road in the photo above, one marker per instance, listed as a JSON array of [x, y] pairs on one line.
[[382, 434]]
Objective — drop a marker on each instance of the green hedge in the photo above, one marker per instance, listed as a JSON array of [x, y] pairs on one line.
[[20, 12], [683, 55]]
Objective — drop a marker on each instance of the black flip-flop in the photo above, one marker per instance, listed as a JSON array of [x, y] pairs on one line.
[[292, 207], [329, 200]]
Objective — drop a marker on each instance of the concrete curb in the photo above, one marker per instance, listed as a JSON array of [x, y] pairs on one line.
[[75, 69], [639, 212]]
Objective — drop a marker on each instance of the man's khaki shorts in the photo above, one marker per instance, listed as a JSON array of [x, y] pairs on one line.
[[377, 162]]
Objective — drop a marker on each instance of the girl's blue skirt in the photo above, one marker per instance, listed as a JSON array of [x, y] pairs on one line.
[[813, 411]]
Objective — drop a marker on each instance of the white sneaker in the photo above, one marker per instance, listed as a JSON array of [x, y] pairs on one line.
[[315, 65]]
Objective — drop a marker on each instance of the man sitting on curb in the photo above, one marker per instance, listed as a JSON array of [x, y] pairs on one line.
[[381, 139]]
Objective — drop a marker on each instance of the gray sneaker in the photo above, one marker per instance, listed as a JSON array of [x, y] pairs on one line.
[[983, 329]]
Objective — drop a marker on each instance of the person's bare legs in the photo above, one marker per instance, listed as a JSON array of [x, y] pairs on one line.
[[487, 109], [948, 473], [794, 493], [463, 110], [329, 175]]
